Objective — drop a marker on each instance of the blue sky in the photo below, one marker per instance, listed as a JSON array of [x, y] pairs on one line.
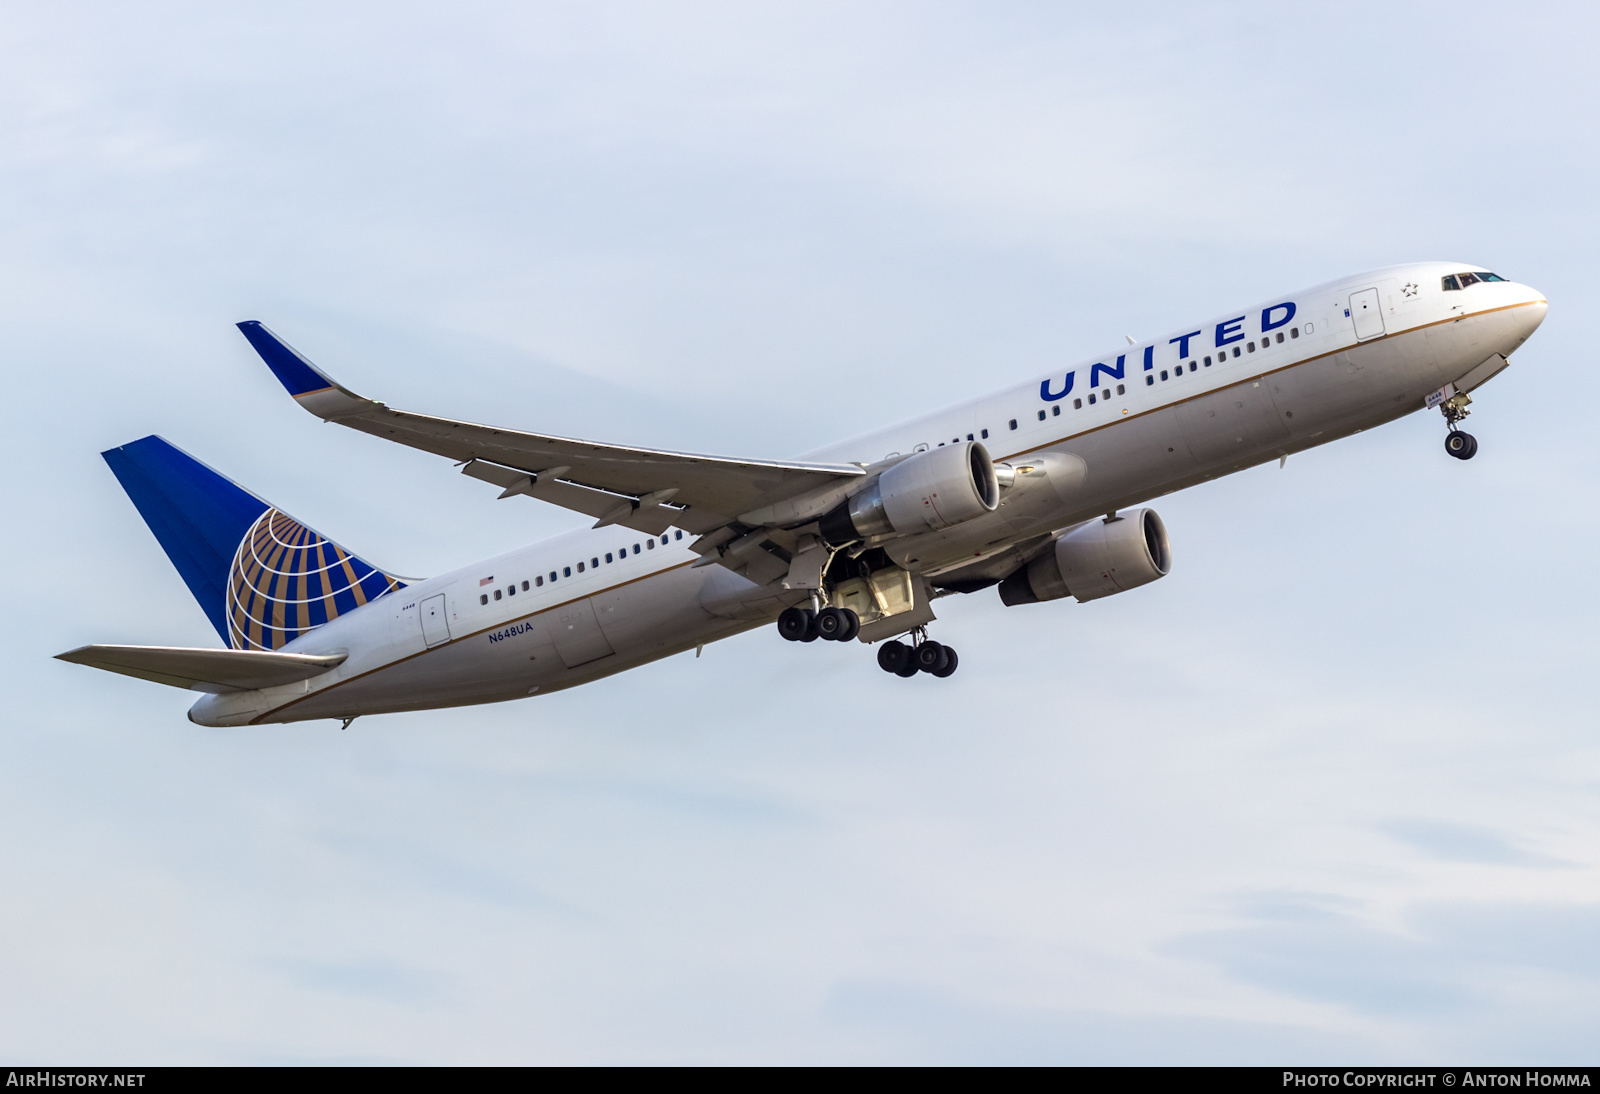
[[1327, 793]]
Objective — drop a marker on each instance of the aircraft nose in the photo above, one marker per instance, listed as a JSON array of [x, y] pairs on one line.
[[1531, 314]]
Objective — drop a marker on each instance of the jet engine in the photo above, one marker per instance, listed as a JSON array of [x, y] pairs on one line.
[[926, 492], [1095, 559]]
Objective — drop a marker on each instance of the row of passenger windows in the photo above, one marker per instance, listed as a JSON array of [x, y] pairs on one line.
[[594, 564], [1249, 347], [1238, 351], [1462, 280], [1077, 404]]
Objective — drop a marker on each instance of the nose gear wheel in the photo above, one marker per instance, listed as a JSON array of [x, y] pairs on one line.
[[1463, 446]]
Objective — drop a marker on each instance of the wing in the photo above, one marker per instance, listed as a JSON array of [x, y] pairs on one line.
[[640, 488], [205, 669]]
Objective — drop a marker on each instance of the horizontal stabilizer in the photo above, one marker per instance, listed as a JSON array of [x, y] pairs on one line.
[[205, 669]]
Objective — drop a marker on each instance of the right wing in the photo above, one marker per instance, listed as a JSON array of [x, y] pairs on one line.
[[642, 488], [205, 669]]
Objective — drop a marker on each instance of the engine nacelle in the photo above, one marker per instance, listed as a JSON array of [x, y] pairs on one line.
[[926, 492], [1095, 559]]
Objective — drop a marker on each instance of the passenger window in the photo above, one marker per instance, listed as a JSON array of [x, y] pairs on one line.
[[677, 535], [635, 548], [1149, 381], [1055, 411], [1193, 367], [1013, 423], [484, 599], [650, 544], [1280, 338], [608, 556], [580, 567], [538, 581], [595, 562], [1121, 390], [969, 436], [1163, 374], [1310, 327], [1041, 415], [497, 594], [1251, 346], [1091, 399], [566, 571], [1208, 362], [552, 575], [511, 590], [524, 586], [1294, 332], [985, 434], [1236, 351], [1448, 281], [1077, 404]]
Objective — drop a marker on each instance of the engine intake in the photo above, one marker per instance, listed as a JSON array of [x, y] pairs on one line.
[[1095, 559], [926, 492]]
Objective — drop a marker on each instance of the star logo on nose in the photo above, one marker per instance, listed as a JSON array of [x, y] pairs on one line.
[[1410, 289]]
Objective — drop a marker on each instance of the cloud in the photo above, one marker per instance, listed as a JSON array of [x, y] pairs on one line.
[[1452, 842]]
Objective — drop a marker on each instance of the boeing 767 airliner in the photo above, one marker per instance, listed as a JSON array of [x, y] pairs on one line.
[[1034, 489]]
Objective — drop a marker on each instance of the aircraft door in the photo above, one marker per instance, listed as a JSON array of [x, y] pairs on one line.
[[1367, 313], [435, 627], [577, 635]]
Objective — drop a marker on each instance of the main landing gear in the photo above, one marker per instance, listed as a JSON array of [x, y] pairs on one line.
[[842, 625], [1461, 445], [926, 656], [806, 625]]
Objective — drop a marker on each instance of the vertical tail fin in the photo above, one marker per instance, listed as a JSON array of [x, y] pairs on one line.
[[261, 577]]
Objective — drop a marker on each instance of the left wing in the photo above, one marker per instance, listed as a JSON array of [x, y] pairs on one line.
[[640, 488]]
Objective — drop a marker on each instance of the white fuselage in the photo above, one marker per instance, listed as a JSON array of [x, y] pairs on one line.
[[1147, 432]]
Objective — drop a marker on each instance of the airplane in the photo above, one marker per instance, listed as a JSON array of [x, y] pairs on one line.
[[1038, 490]]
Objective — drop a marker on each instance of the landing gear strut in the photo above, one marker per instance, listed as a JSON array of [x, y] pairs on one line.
[[1461, 445]]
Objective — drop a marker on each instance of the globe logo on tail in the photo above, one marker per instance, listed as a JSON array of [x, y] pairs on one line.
[[287, 580]]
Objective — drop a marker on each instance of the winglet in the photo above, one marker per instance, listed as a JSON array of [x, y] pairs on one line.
[[293, 371], [311, 387]]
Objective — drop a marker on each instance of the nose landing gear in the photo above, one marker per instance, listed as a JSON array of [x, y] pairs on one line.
[[1461, 445]]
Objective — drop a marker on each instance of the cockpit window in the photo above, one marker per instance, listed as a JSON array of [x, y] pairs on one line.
[[1462, 280]]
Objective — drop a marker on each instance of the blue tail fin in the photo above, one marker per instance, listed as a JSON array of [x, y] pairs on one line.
[[261, 576]]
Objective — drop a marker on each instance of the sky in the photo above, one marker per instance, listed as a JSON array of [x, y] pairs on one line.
[[1327, 793]]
